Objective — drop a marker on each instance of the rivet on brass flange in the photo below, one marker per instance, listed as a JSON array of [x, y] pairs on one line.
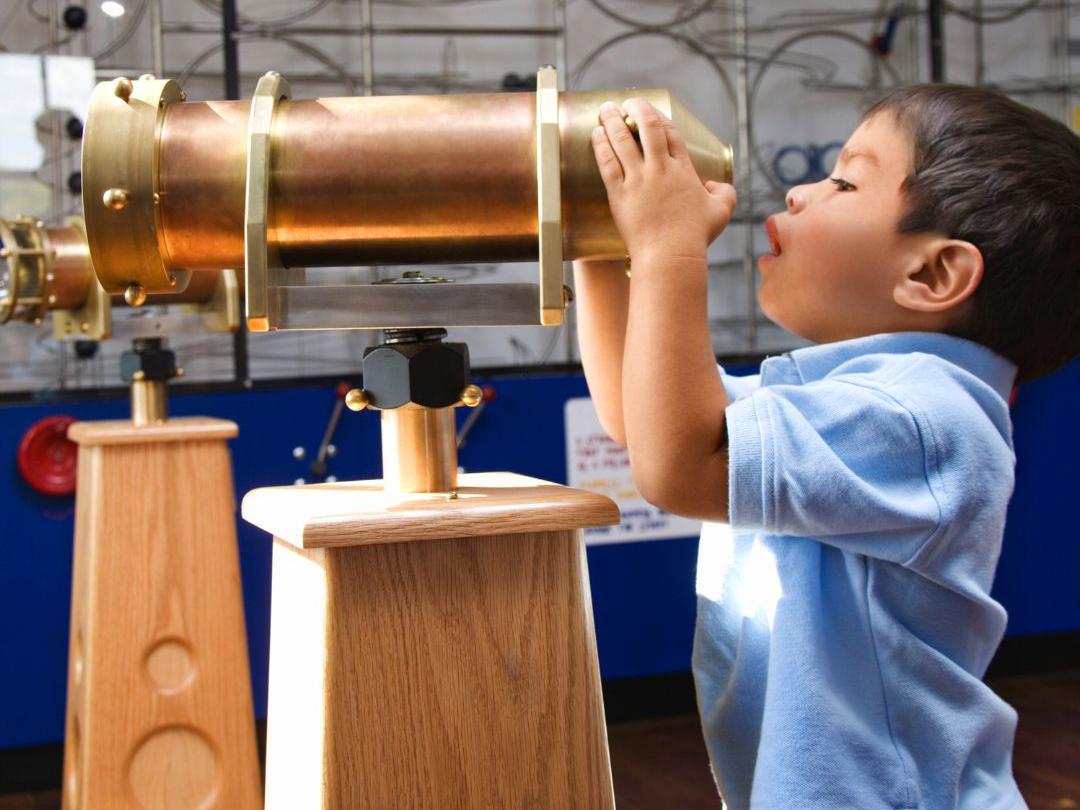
[[115, 198], [122, 87]]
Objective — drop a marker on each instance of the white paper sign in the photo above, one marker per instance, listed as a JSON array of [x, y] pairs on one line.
[[596, 463]]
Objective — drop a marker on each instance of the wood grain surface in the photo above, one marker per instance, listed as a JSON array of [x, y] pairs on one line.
[[159, 709], [122, 431], [423, 670], [360, 513]]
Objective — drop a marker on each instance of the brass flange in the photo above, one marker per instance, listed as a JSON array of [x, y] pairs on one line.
[[121, 193]]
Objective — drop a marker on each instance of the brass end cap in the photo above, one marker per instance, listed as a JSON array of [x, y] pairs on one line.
[[472, 396], [356, 400]]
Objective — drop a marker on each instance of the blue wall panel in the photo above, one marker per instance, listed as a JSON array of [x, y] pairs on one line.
[[642, 592]]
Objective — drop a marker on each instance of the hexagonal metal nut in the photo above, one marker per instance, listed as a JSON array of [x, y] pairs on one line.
[[153, 361], [429, 374]]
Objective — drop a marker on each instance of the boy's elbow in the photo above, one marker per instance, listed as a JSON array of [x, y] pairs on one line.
[[680, 490], [656, 483]]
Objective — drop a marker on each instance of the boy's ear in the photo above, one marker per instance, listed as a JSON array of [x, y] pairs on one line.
[[950, 271]]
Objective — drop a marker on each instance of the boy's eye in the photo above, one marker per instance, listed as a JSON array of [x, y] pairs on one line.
[[842, 185]]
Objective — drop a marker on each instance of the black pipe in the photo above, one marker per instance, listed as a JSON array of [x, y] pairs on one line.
[[936, 16], [232, 92]]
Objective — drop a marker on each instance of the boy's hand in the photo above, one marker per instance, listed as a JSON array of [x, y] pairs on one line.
[[657, 200]]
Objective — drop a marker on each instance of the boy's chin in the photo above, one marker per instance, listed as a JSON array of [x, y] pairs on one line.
[[788, 318]]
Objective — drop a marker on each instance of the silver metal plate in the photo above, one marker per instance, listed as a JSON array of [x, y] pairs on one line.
[[404, 306]]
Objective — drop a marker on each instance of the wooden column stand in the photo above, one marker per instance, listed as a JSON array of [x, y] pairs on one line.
[[433, 650], [159, 708]]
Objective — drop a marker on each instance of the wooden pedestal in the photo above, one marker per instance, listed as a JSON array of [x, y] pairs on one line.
[[159, 711], [434, 653]]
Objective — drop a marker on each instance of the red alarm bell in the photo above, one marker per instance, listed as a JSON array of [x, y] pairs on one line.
[[47, 457]]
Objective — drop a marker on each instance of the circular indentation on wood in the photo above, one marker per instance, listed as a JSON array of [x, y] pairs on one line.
[[174, 768], [169, 665]]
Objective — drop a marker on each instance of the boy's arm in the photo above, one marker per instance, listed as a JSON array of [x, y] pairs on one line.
[[602, 294], [673, 398]]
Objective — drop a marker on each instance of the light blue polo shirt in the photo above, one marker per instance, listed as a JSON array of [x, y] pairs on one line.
[[845, 619]]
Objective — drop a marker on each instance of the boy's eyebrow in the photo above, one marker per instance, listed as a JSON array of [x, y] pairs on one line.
[[847, 154]]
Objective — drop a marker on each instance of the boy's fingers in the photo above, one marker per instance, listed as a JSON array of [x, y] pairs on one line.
[[676, 144], [610, 169], [621, 139], [724, 193], [650, 128]]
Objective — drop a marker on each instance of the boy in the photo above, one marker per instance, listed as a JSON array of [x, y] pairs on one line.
[[845, 623]]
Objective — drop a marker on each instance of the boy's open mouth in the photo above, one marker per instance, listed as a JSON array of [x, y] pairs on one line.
[[774, 235]]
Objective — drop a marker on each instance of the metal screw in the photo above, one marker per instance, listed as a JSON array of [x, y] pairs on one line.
[[299, 453], [299, 482], [331, 479], [331, 450]]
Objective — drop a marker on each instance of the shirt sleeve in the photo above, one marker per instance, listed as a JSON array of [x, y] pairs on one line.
[[739, 387], [841, 462]]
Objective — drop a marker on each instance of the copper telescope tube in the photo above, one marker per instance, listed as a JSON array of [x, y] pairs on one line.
[[394, 179]]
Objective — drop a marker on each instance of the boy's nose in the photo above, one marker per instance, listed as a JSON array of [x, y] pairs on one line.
[[796, 199]]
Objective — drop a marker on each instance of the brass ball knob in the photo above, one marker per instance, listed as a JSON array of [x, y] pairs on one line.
[[472, 396], [122, 87], [135, 294], [115, 198], [356, 400]]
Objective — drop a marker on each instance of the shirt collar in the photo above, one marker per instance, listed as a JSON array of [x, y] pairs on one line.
[[816, 362]]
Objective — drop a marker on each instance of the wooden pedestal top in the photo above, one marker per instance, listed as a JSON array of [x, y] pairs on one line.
[[122, 431], [359, 512]]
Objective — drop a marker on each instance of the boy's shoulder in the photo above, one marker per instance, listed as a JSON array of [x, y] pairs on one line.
[[942, 380], [935, 389]]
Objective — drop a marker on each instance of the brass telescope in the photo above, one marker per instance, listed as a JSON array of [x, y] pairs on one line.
[[47, 269], [173, 186]]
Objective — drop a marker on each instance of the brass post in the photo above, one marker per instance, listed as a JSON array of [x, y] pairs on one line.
[[149, 403], [419, 450]]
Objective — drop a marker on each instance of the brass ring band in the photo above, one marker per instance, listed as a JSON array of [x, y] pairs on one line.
[[121, 193]]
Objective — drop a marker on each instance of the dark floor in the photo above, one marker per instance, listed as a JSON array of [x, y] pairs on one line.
[[662, 763]]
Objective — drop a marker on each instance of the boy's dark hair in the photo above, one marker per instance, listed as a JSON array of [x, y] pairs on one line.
[[1006, 178]]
